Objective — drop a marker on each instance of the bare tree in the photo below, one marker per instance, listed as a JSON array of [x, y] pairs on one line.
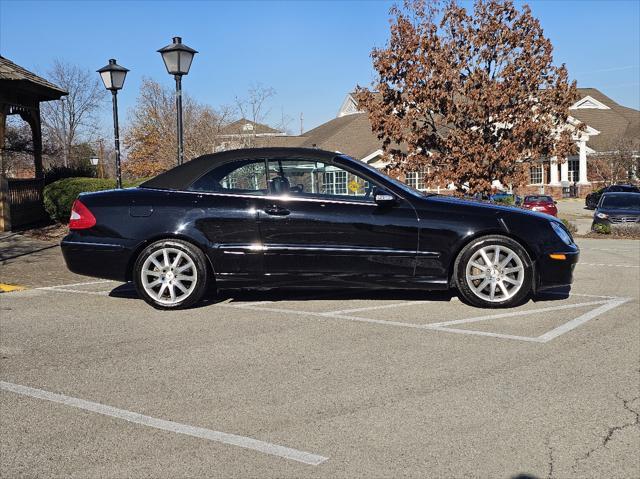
[[254, 106], [619, 163], [72, 119]]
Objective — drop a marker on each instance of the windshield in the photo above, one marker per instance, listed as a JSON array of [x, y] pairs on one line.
[[629, 201]]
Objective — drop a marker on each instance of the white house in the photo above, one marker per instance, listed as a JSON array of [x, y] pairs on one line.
[[607, 124]]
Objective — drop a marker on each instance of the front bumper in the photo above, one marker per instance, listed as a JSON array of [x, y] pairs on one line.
[[614, 224], [89, 257], [554, 273]]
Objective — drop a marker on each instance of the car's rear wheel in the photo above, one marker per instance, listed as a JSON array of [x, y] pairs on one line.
[[171, 274], [493, 272]]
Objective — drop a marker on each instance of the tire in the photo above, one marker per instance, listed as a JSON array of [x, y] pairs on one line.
[[165, 283], [486, 285]]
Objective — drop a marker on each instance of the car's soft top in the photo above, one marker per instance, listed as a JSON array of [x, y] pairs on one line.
[[181, 177]]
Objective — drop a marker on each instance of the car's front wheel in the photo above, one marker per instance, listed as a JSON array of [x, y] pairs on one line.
[[493, 272], [171, 274]]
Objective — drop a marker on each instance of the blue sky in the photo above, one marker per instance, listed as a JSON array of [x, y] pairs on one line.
[[312, 53]]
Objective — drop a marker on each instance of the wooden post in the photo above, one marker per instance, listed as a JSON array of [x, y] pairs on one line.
[[33, 119], [5, 216]]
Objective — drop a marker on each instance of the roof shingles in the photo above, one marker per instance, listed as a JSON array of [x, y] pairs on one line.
[[11, 72]]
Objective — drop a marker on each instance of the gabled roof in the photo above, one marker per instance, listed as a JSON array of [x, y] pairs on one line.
[[615, 123], [350, 134], [244, 126], [13, 75]]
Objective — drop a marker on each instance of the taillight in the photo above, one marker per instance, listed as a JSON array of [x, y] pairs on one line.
[[81, 218]]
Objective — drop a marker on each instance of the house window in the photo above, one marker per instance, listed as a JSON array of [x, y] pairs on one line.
[[535, 175], [574, 170], [415, 179], [335, 182]]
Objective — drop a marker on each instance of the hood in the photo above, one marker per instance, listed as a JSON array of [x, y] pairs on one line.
[[490, 207], [619, 212]]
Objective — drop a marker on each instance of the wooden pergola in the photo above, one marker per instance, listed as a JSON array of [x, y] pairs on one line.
[[21, 93]]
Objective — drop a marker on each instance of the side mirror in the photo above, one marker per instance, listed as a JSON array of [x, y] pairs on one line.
[[384, 198]]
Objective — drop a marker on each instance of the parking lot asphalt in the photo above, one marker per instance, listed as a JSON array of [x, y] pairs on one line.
[[95, 383]]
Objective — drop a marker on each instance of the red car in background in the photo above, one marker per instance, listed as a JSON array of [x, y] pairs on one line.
[[540, 203]]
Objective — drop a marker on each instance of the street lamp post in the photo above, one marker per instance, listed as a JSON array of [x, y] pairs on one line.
[[113, 76], [177, 58]]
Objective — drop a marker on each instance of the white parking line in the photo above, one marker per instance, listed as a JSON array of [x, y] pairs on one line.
[[511, 314], [610, 265], [614, 250], [78, 284], [487, 333], [199, 432], [65, 290], [324, 315], [606, 303], [574, 323], [371, 308]]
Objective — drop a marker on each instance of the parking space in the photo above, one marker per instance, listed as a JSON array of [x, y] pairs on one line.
[[326, 384]]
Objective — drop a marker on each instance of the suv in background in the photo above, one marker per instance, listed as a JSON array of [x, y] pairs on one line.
[[617, 209], [592, 199]]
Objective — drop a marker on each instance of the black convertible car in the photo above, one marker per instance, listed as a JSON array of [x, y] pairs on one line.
[[295, 217]]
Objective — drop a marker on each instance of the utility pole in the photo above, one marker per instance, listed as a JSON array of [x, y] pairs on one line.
[[301, 123]]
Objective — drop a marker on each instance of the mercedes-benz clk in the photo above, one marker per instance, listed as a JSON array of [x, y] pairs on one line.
[[307, 218]]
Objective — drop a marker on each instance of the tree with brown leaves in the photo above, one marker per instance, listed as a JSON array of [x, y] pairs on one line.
[[151, 137], [469, 97]]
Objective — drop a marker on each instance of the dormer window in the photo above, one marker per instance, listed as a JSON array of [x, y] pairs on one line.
[[589, 103]]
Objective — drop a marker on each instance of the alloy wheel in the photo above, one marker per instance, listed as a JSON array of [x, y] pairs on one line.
[[495, 273], [169, 275]]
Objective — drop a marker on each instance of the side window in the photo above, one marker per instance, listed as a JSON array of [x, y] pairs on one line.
[[242, 177], [308, 178]]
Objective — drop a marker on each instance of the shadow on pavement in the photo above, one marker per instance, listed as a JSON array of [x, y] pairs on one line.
[[128, 291], [556, 294], [14, 245]]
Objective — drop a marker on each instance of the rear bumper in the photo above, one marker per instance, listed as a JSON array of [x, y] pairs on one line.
[[554, 273], [94, 258]]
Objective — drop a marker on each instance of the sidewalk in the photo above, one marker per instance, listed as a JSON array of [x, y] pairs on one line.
[[28, 262]]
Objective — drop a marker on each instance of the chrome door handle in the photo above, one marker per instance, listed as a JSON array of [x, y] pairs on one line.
[[276, 211]]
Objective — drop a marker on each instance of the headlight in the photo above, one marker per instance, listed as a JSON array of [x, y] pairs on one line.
[[602, 216], [562, 234]]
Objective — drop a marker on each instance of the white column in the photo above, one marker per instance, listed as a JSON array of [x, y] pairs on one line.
[[553, 180], [583, 164], [564, 170]]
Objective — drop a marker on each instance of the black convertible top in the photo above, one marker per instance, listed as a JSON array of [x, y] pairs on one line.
[[183, 176]]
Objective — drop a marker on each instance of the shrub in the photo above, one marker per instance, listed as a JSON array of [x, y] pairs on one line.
[[59, 196], [504, 200], [573, 229], [602, 229], [56, 173]]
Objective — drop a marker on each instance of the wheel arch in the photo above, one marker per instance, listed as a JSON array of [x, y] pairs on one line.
[[492, 232], [143, 244]]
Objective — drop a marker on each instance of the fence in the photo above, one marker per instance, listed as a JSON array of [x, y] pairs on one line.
[[25, 201]]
